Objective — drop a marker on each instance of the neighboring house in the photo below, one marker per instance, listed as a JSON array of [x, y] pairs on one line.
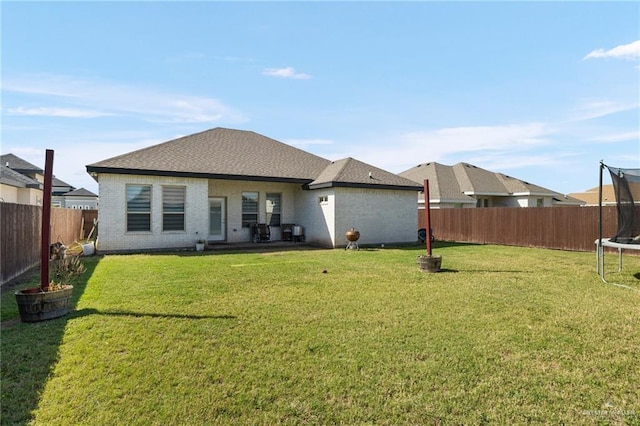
[[18, 188], [20, 181], [23, 183], [80, 199], [65, 195], [219, 183], [591, 196], [58, 189], [467, 186]]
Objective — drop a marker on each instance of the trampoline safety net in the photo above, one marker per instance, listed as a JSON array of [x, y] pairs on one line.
[[626, 183]]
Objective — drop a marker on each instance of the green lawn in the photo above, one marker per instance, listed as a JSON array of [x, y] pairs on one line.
[[503, 335]]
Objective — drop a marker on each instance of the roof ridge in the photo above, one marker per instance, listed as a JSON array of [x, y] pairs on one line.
[[343, 168]]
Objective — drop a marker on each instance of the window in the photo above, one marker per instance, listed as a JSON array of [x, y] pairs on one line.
[[323, 199], [249, 209], [482, 202], [539, 202], [138, 208], [273, 209], [173, 208]]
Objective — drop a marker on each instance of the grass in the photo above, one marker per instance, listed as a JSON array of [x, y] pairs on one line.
[[502, 335]]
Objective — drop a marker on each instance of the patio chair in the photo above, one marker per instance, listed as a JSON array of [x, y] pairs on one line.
[[261, 233]]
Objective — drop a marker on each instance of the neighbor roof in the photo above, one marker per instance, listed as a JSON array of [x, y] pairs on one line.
[[443, 185], [458, 182], [80, 192], [245, 155], [18, 164], [591, 196], [16, 179]]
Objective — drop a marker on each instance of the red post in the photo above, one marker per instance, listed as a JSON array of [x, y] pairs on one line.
[[45, 241], [427, 215]]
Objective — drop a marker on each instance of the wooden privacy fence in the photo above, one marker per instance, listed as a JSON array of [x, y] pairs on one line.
[[21, 226], [565, 228]]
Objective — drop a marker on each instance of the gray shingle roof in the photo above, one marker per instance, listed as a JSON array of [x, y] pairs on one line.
[[80, 192], [239, 154], [16, 179], [222, 153], [16, 163], [58, 182], [454, 183], [476, 181], [443, 185], [355, 173]]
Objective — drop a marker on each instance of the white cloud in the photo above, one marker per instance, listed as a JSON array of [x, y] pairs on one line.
[[508, 161], [629, 51], [474, 138], [71, 156], [590, 109], [618, 137], [402, 152], [57, 112], [287, 72], [119, 99]]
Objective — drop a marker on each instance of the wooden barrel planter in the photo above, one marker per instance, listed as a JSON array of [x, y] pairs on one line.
[[428, 263], [35, 305]]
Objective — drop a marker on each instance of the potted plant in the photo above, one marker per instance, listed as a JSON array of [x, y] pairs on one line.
[[52, 301], [428, 262], [200, 244]]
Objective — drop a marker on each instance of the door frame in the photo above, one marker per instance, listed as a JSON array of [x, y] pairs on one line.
[[223, 220]]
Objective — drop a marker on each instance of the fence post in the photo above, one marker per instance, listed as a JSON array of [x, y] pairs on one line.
[[45, 241]]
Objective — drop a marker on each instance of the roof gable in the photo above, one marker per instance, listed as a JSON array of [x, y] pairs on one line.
[[474, 180], [355, 173], [443, 185], [80, 192]]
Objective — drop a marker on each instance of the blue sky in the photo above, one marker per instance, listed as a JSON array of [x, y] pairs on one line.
[[541, 91]]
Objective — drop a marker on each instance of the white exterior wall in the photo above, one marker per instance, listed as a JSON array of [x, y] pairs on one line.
[[533, 202], [112, 213], [30, 196], [317, 218], [232, 190], [9, 194], [89, 203], [381, 216]]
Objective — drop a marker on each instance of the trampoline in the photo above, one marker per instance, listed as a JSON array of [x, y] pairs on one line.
[[626, 183]]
